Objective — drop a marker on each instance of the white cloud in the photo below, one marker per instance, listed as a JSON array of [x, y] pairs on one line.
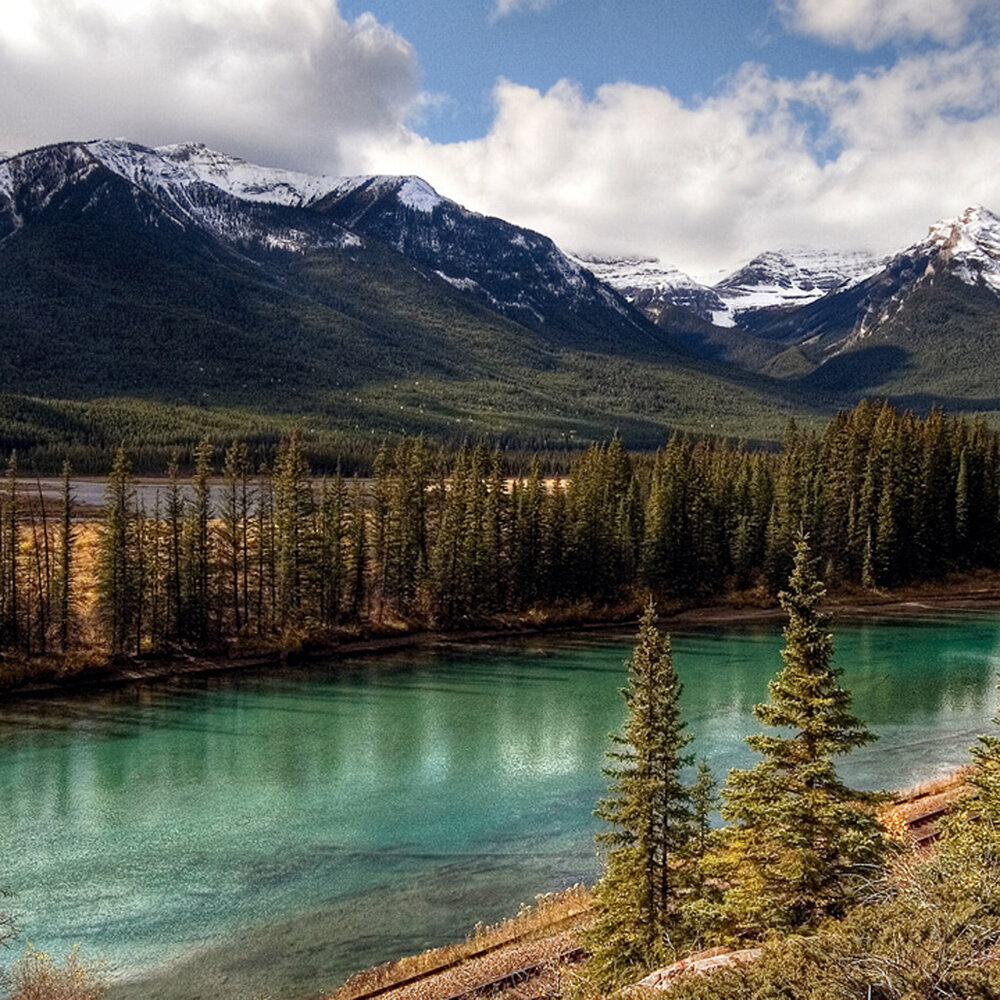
[[501, 8], [866, 24], [868, 162], [285, 81]]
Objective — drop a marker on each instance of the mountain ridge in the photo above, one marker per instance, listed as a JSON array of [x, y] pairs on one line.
[[374, 302]]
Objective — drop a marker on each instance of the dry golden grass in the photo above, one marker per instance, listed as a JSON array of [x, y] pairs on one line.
[[36, 977], [84, 595]]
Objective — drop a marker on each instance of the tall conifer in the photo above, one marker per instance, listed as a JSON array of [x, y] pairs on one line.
[[116, 564], [637, 898], [797, 841], [64, 576]]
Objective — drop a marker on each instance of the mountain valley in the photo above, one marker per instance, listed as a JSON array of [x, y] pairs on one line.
[[182, 277]]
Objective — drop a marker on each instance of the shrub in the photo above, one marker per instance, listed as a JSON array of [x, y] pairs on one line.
[[36, 977]]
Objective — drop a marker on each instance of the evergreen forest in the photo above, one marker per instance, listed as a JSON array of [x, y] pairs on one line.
[[280, 558]]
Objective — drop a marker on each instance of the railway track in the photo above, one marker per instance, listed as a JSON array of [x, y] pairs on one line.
[[516, 939], [923, 828], [511, 979]]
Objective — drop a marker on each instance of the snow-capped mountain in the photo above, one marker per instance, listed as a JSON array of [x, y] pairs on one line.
[[784, 279], [846, 321], [240, 248], [968, 246], [253, 209], [965, 248], [928, 320], [177, 168], [773, 281], [187, 186], [520, 272], [652, 286]]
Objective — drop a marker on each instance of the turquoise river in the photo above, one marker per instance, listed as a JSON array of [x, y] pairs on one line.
[[265, 834]]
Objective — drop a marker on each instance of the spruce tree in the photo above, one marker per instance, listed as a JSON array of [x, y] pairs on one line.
[[969, 852], [67, 539], [963, 515], [703, 802], [116, 560], [638, 897], [294, 525], [798, 839]]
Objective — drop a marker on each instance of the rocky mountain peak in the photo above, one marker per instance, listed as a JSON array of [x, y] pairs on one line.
[[968, 246]]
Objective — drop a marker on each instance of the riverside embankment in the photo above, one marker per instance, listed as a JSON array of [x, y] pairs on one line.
[[94, 670]]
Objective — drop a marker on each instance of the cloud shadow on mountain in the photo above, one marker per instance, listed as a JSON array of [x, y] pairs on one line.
[[856, 371]]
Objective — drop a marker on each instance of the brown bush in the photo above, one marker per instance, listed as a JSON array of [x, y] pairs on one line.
[[35, 977]]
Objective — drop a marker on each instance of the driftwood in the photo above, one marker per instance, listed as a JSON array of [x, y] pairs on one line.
[[700, 962]]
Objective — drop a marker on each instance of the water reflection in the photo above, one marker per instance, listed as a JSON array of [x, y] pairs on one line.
[[426, 790]]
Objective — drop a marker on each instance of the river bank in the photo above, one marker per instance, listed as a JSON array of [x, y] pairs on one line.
[[979, 591]]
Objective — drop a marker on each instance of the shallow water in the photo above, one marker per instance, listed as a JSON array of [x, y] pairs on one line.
[[267, 834]]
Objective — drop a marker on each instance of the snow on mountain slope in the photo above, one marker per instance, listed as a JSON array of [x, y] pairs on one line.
[[244, 180], [651, 285], [635, 272], [781, 279], [273, 185], [235, 200], [515, 270], [777, 279], [194, 177], [40, 180], [968, 246]]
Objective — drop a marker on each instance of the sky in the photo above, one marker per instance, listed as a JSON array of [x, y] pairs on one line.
[[700, 132]]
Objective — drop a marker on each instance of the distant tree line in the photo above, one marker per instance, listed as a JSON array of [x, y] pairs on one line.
[[449, 538], [45, 433]]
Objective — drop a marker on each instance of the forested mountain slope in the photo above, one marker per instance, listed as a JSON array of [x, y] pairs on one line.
[[189, 277]]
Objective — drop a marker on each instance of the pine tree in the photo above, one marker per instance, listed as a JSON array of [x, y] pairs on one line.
[[174, 625], [234, 516], [294, 511], [198, 571], [359, 552], [963, 514], [703, 803], [116, 563], [156, 573], [12, 558], [64, 576], [41, 551], [638, 897], [332, 536], [382, 536], [798, 840]]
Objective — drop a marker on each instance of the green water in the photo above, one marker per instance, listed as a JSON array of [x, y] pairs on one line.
[[270, 833]]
